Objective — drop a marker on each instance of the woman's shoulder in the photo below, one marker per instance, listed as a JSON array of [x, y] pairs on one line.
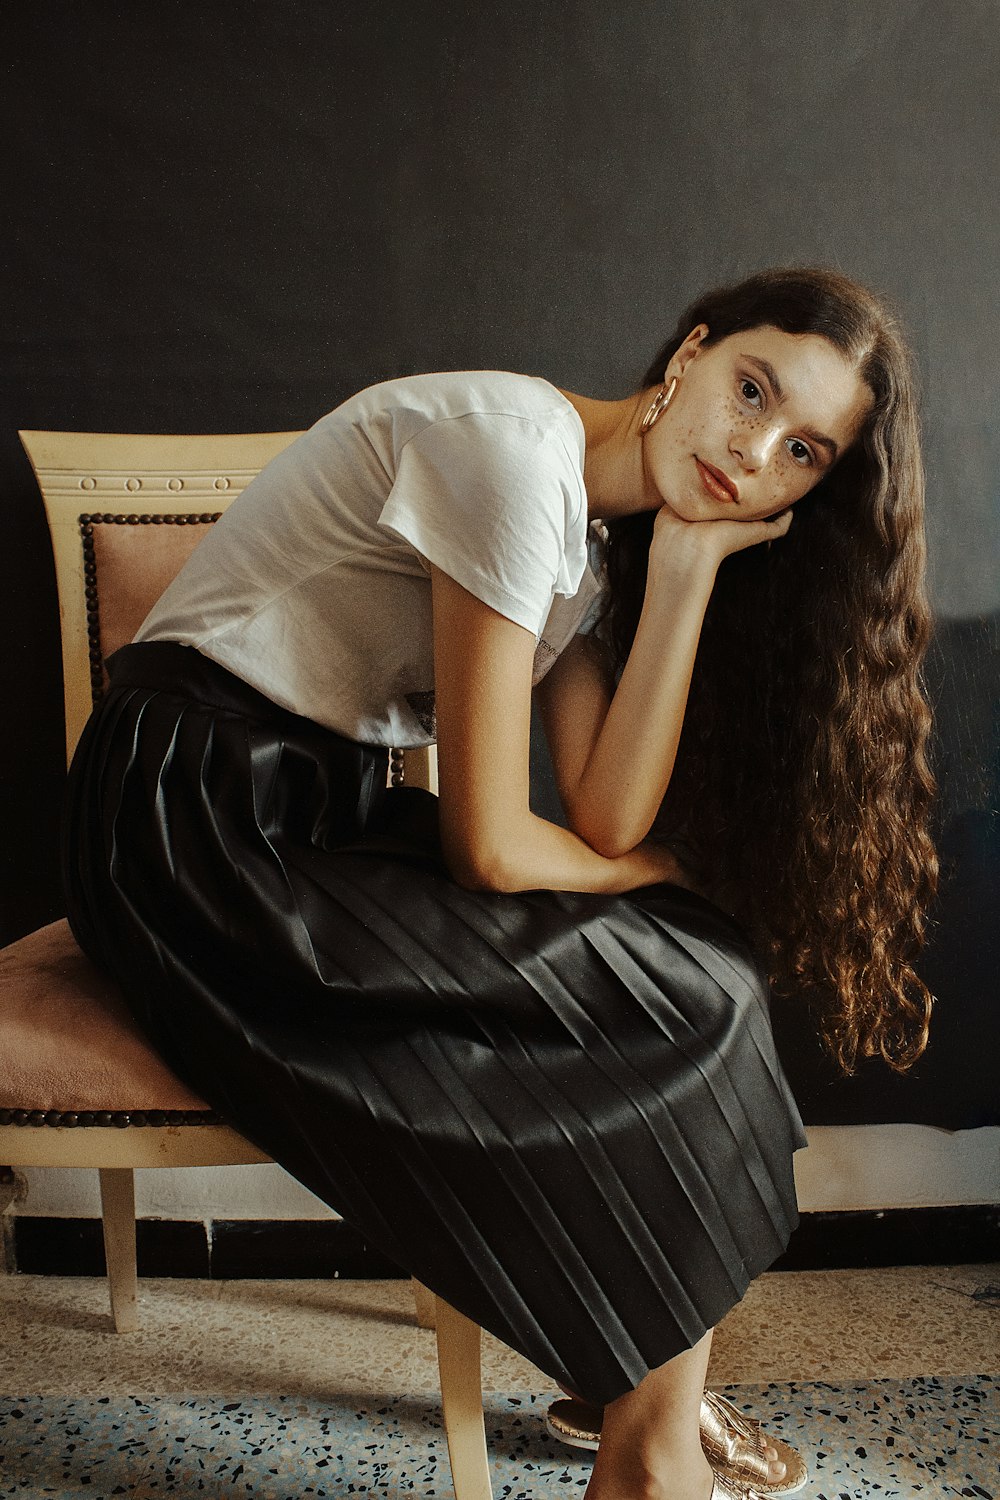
[[414, 401]]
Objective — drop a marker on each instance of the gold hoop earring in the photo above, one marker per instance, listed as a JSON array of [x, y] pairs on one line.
[[659, 404]]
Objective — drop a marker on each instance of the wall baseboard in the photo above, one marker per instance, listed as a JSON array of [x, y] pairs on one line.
[[317, 1249], [961, 1234]]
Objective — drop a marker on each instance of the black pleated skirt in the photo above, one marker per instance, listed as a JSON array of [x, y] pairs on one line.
[[563, 1112]]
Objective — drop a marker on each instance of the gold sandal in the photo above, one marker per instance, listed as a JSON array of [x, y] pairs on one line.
[[734, 1444], [729, 1489]]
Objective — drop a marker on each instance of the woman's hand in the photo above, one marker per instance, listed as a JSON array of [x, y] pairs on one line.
[[660, 863], [706, 543]]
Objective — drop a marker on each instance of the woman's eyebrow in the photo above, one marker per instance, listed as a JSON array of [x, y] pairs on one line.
[[771, 376], [769, 372]]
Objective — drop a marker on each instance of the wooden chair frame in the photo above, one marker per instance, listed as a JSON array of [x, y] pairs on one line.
[[89, 479]]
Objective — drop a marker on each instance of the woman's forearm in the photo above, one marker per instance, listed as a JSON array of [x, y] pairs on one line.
[[491, 840], [534, 854], [618, 794]]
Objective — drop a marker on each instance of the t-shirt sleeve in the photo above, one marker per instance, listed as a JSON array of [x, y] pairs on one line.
[[490, 500]]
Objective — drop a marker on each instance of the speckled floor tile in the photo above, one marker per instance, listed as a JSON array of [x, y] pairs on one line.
[[296, 1388], [888, 1439], [892, 1321], [319, 1338], [303, 1338]]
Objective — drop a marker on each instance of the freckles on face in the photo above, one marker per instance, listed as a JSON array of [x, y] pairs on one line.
[[780, 480]]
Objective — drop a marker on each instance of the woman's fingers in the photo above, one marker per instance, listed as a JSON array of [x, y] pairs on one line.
[[768, 531], [715, 539], [736, 536]]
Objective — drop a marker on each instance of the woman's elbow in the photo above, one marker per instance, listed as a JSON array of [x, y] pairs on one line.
[[606, 836], [483, 869], [608, 846]]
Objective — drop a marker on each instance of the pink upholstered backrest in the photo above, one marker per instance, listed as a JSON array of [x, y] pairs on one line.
[[131, 559]]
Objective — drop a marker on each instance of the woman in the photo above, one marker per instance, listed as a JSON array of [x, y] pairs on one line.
[[527, 1061]]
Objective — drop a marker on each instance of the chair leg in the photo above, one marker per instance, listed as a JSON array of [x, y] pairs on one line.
[[424, 1299], [459, 1343], [118, 1215]]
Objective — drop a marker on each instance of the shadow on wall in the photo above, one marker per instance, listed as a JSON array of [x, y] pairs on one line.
[[954, 1085]]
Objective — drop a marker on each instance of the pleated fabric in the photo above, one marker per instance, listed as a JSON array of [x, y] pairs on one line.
[[563, 1112]]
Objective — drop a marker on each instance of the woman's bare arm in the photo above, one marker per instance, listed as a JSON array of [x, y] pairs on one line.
[[614, 752], [491, 839]]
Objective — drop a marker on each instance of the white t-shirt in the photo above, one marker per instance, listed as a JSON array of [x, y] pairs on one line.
[[314, 586]]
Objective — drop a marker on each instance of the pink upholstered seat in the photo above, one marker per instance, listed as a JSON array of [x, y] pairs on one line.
[[67, 1041]]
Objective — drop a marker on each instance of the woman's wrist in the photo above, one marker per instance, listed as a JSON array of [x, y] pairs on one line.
[[685, 554]]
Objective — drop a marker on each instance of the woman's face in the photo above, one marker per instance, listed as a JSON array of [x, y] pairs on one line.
[[755, 421]]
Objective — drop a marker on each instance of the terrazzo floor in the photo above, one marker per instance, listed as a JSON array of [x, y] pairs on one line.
[[279, 1389]]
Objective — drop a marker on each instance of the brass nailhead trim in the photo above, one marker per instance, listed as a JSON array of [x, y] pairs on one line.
[[397, 769], [117, 1117], [87, 524]]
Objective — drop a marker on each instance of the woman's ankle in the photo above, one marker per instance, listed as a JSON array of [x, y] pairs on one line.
[[638, 1476]]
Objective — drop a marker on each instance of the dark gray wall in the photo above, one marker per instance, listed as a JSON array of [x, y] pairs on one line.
[[229, 217]]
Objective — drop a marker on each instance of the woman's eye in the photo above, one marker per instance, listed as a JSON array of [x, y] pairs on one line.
[[751, 392], [799, 451]]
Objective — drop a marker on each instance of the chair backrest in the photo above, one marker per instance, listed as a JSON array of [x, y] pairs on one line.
[[125, 511]]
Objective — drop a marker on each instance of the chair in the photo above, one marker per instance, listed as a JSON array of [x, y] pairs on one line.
[[81, 1087]]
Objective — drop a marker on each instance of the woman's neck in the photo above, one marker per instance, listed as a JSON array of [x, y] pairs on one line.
[[613, 469]]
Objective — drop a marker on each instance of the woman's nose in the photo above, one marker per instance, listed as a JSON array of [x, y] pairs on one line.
[[753, 446]]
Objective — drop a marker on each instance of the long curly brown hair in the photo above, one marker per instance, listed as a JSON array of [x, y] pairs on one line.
[[812, 825]]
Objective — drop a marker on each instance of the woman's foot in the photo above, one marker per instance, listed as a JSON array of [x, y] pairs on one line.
[[710, 1486], [733, 1443], [738, 1448]]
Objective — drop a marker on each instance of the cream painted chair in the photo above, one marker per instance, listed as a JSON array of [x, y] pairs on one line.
[[79, 1084]]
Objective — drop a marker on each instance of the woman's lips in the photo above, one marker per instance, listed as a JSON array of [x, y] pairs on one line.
[[718, 485]]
